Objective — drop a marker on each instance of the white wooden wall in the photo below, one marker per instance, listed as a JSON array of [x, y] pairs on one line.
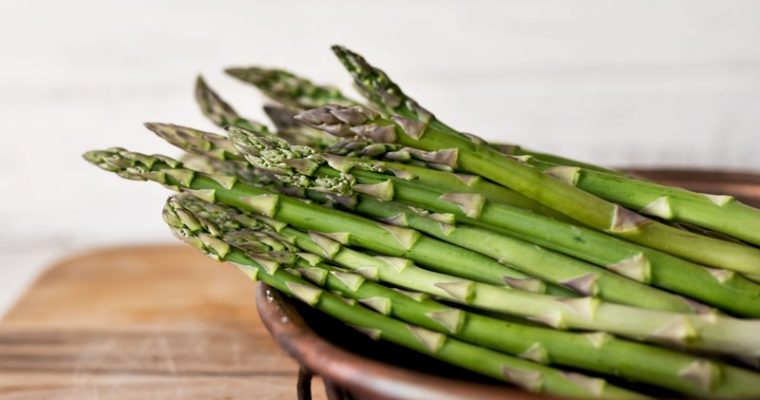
[[621, 83]]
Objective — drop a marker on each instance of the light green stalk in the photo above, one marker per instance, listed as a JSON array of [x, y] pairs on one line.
[[294, 165], [580, 205], [717, 212], [594, 352], [721, 288], [523, 373], [708, 332]]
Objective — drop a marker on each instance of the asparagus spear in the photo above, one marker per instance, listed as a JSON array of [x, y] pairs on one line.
[[525, 374], [290, 129], [720, 213], [299, 92], [359, 231], [240, 169], [294, 131], [266, 151], [217, 110], [573, 202], [377, 87], [400, 161], [400, 272], [595, 352], [717, 287], [411, 163], [721, 288], [289, 89], [708, 332], [222, 114], [220, 147]]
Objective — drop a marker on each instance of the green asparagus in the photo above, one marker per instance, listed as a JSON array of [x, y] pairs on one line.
[[595, 352], [584, 207], [523, 373], [218, 110], [711, 332], [716, 287], [717, 212], [271, 153], [377, 87], [289, 89]]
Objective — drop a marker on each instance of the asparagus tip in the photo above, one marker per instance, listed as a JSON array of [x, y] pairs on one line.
[[235, 72], [200, 82]]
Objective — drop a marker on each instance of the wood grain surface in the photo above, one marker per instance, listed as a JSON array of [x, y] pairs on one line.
[[161, 322]]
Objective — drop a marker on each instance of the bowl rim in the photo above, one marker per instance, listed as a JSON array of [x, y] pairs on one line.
[[364, 376]]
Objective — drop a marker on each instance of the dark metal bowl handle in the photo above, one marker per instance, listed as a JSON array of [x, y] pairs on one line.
[[304, 383]]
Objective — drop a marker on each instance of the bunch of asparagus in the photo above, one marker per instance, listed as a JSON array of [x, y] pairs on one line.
[[522, 266]]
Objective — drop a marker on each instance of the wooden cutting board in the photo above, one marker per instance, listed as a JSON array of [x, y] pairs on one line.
[[151, 322]]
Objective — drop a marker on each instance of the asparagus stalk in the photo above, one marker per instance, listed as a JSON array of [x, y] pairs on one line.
[[217, 110], [430, 172], [198, 142], [298, 92], [294, 131], [382, 238], [410, 163], [222, 114], [288, 89], [400, 272], [378, 88], [594, 352], [239, 169], [721, 288], [717, 287], [220, 147], [676, 371], [708, 332], [530, 182], [266, 151], [290, 129], [717, 212], [523, 373]]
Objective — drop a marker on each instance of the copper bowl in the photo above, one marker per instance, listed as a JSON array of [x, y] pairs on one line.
[[355, 367]]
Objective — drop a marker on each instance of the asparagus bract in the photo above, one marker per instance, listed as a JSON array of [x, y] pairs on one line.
[[708, 332]]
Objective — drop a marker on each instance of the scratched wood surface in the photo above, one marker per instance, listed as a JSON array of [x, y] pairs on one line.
[[161, 322]]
